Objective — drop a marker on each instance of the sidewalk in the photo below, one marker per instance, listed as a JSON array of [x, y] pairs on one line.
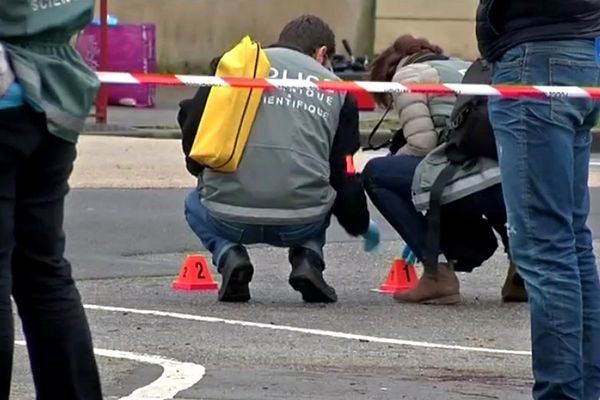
[[121, 162], [161, 122]]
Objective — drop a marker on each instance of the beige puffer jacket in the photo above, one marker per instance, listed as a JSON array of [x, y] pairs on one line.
[[423, 117]]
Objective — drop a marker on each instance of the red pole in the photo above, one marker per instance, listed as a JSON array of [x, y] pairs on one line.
[[102, 99]]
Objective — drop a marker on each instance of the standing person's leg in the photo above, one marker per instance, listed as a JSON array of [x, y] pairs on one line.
[[10, 128], [586, 260], [536, 147], [6, 315], [49, 304]]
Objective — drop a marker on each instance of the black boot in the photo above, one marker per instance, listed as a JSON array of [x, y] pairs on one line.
[[236, 271], [307, 277]]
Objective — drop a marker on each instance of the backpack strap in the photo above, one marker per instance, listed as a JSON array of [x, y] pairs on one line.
[[421, 57], [434, 217], [370, 145]]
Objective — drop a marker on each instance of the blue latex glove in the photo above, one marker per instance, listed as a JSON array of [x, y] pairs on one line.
[[371, 237], [412, 259], [409, 256], [406, 252]]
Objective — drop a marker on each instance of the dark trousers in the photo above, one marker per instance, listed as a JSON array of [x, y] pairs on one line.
[[34, 171], [388, 182]]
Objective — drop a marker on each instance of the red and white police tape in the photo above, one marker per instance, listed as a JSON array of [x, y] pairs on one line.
[[352, 86]]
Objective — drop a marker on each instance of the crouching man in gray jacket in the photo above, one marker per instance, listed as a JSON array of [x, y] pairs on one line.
[[292, 176]]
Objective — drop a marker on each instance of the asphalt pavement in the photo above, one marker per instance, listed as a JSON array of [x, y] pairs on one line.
[[128, 245], [127, 240]]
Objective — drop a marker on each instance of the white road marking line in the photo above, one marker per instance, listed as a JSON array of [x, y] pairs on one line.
[[308, 331], [176, 377]]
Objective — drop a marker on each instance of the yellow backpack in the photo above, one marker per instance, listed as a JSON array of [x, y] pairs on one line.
[[230, 112]]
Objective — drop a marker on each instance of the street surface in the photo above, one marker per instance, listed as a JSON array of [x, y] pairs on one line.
[[127, 240]]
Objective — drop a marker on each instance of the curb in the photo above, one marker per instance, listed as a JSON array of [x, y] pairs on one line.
[[141, 132], [158, 132], [165, 134]]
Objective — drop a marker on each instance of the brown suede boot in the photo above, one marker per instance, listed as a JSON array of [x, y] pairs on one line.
[[513, 290], [441, 288]]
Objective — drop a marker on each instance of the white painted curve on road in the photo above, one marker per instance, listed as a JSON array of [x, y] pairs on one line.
[[176, 377], [308, 331]]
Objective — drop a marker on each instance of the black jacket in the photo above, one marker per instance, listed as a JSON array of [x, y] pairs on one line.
[[350, 207], [503, 24]]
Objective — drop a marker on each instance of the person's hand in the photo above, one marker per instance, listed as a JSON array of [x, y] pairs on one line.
[[412, 258], [371, 237], [409, 256]]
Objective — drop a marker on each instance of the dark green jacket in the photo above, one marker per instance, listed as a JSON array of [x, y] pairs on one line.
[[37, 35]]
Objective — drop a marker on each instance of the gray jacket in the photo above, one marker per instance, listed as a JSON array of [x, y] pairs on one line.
[[283, 177], [473, 176]]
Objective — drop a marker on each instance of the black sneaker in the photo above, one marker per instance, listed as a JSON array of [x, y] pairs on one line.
[[236, 271], [307, 277]]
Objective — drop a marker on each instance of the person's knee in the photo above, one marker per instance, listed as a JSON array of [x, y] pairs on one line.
[[370, 169], [38, 281], [370, 173], [192, 207], [191, 201]]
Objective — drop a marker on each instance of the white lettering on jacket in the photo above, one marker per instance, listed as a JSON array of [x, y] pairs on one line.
[[40, 5], [315, 102], [285, 74]]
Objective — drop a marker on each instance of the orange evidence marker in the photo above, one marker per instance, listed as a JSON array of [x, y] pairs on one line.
[[401, 278], [195, 275]]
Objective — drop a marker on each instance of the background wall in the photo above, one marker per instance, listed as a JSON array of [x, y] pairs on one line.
[[448, 23], [191, 32]]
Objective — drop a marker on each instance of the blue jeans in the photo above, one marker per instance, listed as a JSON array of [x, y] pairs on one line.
[[219, 235], [388, 181], [544, 149]]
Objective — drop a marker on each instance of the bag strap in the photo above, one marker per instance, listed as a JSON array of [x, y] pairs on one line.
[[421, 57], [414, 58], [370, 145], [434, 217]]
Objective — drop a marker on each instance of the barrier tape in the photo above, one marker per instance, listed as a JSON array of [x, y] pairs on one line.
[[352, 86]]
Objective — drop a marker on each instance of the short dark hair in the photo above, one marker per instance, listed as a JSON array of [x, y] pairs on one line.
[[308, 33]]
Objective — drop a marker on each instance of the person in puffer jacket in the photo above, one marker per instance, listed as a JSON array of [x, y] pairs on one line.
[[423, 116], [388, 180]]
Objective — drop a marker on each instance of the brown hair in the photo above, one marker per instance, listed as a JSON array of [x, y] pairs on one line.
[[384, 66]]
